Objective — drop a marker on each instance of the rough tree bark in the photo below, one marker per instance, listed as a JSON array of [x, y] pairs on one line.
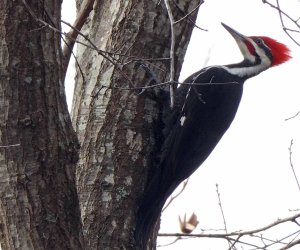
[[38, 148], [120, 130]]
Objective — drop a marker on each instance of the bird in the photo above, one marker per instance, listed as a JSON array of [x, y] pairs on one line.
[[205, 106]]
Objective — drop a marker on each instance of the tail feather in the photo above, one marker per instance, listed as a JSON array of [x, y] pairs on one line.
[[157, 192]]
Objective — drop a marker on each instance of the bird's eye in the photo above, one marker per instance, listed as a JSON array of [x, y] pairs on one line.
[[258, 41]]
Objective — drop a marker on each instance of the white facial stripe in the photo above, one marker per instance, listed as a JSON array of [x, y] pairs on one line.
[[263, 42], [247, 55], [265, 60], [255, 69], [247, 71]]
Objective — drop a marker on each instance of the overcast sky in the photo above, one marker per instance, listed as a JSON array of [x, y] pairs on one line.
[[251, 163]]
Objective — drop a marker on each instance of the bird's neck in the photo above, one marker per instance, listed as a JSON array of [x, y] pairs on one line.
[[247, 69]]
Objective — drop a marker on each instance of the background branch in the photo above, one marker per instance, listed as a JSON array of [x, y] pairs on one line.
[[291, 163], [85, 9], [173, 197], [236, 236], [284, 14]]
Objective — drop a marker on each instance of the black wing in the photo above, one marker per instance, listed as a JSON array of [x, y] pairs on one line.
[[202, 114]]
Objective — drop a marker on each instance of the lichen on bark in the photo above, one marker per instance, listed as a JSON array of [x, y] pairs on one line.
[[120, 130]]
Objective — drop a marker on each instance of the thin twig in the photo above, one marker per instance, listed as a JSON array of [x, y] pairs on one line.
[[137, 59], [172, 198], [52, 27], [109, 53], [290, 245], [281, 11], [118, 67], [292, 165], [292, 116], [169, 83], [190, 13], [221, 207], [79, 67], [93, 45], [293, 241], [223, 216], [281, 14], [9, 146], [101, 52], [171, 243], [82, 15], [273, 242], [241, 233], [172, 53], [292, 30]]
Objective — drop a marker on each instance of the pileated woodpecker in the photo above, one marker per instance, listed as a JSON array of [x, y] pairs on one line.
[[202, 113]]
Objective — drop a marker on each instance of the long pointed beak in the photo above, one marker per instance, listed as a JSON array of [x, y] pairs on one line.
[[236, 35]]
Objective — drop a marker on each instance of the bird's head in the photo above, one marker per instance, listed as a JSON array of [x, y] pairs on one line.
[[260, 50]]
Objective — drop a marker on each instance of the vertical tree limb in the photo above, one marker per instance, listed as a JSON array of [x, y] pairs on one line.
[[172, 53], [85, 9], [39, 206], [121, 132]]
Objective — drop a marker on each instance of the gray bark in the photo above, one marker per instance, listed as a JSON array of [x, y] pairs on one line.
[[119, 130], [39, 206]]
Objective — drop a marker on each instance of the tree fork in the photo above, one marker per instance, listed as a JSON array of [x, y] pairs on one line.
[[119, 130]]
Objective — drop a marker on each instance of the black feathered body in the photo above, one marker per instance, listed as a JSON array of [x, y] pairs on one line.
[[203, 112]]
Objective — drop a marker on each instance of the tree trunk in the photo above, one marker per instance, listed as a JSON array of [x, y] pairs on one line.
[[38, 200], [120, 130]]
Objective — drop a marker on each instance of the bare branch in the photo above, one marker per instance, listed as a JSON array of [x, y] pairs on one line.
[[221, 207], [171, 243], [281, 14], [118, 67], [108, 53], [291, 164], [187, 16], [93, 46], [102, 53], [167, 83], [290, 245], [292, 116], [292, 30], [223, 215], [172, 198], [85, 9], [9, 146], [190, 13], [172, 53], [231, 245], [45, 24], [241, 233]]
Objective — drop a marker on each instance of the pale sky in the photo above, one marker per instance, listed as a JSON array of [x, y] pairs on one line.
[[251, 163]]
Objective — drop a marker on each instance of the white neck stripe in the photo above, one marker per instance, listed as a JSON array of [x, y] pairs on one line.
[[247, 71]]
